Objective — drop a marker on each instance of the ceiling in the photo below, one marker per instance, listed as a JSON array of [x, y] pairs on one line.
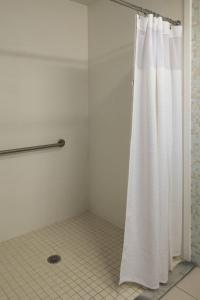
[[86, 2]]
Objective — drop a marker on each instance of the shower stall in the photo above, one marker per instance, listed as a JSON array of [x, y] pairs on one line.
[[66, 90]]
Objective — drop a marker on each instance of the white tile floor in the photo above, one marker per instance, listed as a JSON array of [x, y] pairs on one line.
[[91, 252], [187, 289]]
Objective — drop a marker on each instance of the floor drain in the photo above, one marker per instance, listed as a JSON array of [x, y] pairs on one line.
[[54, 259]]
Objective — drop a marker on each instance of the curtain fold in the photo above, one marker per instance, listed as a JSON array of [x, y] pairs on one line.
[[153, 227]]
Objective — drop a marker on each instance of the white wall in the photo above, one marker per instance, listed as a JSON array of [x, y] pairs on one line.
[[111, 40], [43, 97]]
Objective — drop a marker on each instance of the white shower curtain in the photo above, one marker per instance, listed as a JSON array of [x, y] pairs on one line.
[[153, 229]]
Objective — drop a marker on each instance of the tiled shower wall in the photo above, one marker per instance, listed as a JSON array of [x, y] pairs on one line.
[[196, 132]]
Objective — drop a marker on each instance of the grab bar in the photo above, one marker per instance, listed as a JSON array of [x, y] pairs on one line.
[[60, 143]]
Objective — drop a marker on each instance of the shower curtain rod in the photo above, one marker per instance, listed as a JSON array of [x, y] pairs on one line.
[[145, 11]]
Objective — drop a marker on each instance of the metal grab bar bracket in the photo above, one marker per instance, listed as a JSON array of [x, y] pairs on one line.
[[60, 143]]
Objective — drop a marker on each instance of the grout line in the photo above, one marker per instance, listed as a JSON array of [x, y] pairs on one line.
[[181, 289], [176, 283]]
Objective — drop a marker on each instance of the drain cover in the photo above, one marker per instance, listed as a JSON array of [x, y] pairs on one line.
[[54, 259]]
